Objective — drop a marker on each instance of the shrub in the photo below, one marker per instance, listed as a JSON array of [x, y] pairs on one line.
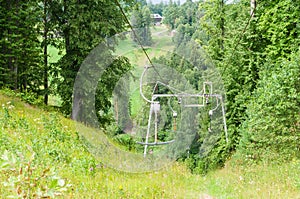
[[272, 130], [25, 180]]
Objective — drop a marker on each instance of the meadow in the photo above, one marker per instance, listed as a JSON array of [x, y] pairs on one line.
[[43, 155], [162, 44]]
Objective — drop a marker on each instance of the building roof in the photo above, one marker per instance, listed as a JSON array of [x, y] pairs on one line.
[[156, 16]]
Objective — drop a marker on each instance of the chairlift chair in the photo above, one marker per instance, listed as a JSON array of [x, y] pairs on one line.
[[207, 93]]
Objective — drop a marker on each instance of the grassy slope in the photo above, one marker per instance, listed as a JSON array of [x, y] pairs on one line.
[[26, 130], [29, 130], [27, 127], [162, 44]]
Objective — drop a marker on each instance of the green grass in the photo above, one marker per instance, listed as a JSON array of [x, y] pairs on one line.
[[137, 100], [54, 54], [256, 181], [26, 130], [54, 57], [162, 44], [125, 46]]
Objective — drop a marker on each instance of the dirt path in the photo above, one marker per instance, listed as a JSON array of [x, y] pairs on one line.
[[159, 33]]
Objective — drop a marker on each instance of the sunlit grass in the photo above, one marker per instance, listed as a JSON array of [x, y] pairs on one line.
[[54, 54], [256, 181], [162, 44], [176, 181]]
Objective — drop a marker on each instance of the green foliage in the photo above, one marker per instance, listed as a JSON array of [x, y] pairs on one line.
[[141, 22], [142, 2], [157, 8], [170, 15], [266, 49], [125, 140], [279, 23], [30, 98], [27, 179], [112, 80], [212, 27], [71, 26], [241, 51], [240, 46], [20, 55], [272, 131], [175, 15]]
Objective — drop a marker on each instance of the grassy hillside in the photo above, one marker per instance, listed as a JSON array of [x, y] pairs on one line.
[[162, 44], [43, 155]]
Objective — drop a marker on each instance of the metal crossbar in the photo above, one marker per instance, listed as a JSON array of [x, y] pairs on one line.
[[155, 107]]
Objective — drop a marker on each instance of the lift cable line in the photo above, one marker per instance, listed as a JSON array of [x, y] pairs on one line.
[[140, 43], [155, 104], [145, 52], [136, 37], [241, 35]]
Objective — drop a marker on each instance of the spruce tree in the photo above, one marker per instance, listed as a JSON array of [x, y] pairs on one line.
[[19, 44], [83, 26]]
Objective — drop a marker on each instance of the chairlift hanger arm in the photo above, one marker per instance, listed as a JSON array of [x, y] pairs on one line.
[[141, 86]]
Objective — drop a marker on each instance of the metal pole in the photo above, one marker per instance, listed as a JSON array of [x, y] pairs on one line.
[[224, 120], [156, 121], [148, 130]]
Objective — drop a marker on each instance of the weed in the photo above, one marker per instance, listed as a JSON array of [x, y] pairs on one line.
[[42, 153], [25, 180]]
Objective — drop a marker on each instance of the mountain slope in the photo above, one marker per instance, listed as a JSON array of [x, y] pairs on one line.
[[42, 155]]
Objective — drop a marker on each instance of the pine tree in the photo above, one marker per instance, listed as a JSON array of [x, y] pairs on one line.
[[20, 57], [141, 21], [170, 15], [83, 26]]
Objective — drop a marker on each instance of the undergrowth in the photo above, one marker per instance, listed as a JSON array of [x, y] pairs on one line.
[[42, 156]]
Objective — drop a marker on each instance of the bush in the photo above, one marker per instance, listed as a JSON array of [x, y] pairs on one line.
[[272, 130]]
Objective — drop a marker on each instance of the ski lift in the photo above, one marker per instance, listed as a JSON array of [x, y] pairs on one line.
[[206, 95]]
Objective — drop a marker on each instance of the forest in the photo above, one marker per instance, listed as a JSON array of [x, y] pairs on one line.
[[81, 83]]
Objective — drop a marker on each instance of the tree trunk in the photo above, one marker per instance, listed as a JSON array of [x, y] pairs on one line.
[[45, 54], [222, 25], [15, 56]]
